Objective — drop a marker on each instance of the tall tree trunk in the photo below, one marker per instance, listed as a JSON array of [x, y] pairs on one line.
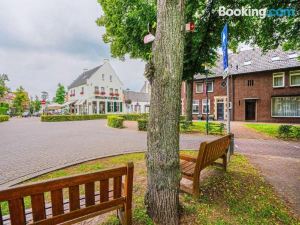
[[189, 99], [162, 196]]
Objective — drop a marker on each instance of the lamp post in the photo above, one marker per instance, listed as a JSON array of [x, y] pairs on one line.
[[206, 92]]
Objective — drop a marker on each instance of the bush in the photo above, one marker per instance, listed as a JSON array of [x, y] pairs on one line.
[[115, 121], [285, 131], [142, 124], [60, 118], [216, 128], [3, 110], [4, 118], [134, 116], [296, 132], [185, 125]]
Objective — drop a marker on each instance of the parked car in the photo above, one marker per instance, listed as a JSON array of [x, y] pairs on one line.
[[36, 114], [26, 114]]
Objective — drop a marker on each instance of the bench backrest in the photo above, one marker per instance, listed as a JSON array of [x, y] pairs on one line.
[[210, 152], [68, 199]]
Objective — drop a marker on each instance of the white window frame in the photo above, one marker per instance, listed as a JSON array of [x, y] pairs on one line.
[[272, 114], [195, 102], [212, 86], [202, 84], [294, 73], [282, 75], [203, 104]]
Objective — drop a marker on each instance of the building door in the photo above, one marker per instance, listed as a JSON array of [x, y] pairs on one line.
[[220, 111], [250, 109]]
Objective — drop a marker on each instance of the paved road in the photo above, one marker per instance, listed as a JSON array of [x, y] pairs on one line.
[[29, 147]]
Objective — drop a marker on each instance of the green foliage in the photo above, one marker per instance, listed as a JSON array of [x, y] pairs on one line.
[[21, 101], [60, 94], [134, 116], [115, 121], [61, 118], [4, 107], [277, 130], [4, 118], [3, 87], [213, 127], [285, 131], [142, 124], [36, 104]]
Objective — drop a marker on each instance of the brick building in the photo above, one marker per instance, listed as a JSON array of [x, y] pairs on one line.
[[264, 87]]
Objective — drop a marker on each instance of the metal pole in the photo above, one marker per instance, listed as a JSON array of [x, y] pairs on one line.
[[206, 78], [228, 105]]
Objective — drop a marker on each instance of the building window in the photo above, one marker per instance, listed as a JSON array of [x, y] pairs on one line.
[[295, 78], [82, 91], [102, 89], [195, 106], [210, 86], [275, 58], [250, 83], [278, 80], [247, 63], [293, 55], [116, 91], [110, 78], [286, 106], [205, 106], [96, 90], [102, 76], [199, 87]]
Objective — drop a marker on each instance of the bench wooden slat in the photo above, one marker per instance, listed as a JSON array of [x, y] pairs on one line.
[[116, 203], [38, 207], [90, 194], [57, 201], [117, 187], [17, 211], [104, 187], [60, 183], [74, 198]]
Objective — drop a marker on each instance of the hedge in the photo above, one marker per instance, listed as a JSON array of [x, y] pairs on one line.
[[142, 124], [4, 118], [60, 118], [115, 121], [289, 131]]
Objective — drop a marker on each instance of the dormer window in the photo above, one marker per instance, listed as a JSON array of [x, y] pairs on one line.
[[82, 91], [293, 56], [275, 58], [247, 63]]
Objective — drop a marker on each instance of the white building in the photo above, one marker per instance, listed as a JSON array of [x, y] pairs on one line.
[[96, 91], [138, 102]]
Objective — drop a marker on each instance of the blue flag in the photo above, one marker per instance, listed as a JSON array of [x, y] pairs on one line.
[[224, 38]]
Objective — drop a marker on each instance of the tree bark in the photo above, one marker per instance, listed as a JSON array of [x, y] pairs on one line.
[[162, 196], [189, 99]]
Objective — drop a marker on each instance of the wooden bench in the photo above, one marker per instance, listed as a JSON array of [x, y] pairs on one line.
[[71, 199], [208, 153]]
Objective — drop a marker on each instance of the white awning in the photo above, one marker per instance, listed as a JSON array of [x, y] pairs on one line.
[[69, 103], [80, 102]]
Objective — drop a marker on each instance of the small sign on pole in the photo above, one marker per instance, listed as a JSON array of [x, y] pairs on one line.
[[149, 38], [190, 27]]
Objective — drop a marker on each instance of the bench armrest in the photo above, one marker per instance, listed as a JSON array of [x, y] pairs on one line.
[[188, 158]]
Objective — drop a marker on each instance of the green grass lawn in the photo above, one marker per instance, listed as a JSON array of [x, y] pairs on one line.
[[269, 129], [239, 196], [200, 127]]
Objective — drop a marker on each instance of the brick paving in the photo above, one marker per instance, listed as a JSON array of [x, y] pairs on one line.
[[29, 147]]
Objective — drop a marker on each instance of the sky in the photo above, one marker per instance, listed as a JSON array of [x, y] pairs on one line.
[[43, 43]]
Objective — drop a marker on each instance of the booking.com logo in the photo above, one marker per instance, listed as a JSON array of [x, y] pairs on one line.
[[262, 13]]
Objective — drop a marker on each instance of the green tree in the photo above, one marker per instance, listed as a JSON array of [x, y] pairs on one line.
[[127, 22], [21, 100], [60, 94], [3, 87], [36, 104]]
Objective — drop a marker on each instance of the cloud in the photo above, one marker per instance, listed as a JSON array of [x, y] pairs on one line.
[[43, 43]]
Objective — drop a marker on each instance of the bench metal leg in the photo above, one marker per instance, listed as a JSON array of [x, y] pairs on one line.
[[225, 162]]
